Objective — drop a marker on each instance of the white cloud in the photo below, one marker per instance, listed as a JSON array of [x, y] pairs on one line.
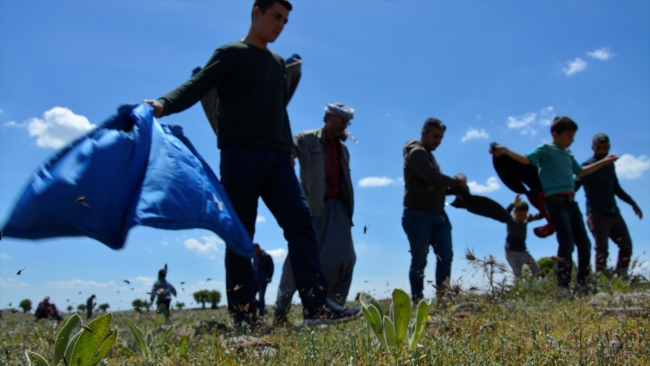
[[491, 186], [58, 127], [14, 124], [376, 181], [260, 218], [4, 256], [629, 167], [209, 247], [528, 123], [473, 133], [574, 67], [277, 254], [603, 54], [147, 281], [76, 284]]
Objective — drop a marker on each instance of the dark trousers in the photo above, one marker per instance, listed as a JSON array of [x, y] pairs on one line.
[[604, 227], [425, 228], [261, 292], [570, 230], [248, 173]]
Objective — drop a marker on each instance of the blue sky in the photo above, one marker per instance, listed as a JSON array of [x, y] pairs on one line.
[[492, 71]]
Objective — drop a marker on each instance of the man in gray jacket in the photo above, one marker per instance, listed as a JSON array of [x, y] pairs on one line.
[[425, 221], [325, 177]]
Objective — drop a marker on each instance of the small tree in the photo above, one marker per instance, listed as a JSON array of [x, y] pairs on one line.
[[81, 307], [180, 305], [214, 296], [26, 305], [137, 305], [201, 297], [146, 304], [103, 307], [69, 308]]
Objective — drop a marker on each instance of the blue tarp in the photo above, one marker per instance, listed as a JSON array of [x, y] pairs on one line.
[[132, 170]]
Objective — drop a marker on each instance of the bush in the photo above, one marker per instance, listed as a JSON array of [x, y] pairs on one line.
[[103, 307], [26, 305], [180, 305], [81, 307]]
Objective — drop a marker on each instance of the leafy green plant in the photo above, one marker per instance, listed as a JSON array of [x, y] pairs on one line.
[[393, 329], [147, 342], [79, 345]]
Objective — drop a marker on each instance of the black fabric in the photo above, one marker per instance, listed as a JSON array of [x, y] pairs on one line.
[[479, 205], [524, 179]]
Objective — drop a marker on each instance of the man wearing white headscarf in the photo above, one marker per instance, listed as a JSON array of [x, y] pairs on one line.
[[325, 177]]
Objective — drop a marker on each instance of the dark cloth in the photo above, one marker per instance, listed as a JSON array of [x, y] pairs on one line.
[[90, 305], [166, 302], [425, 187], [210, 101], [478, 205], [604, 227], [567, 220], [332, 166], [601, 188], [263, 267], [252, 88], [425, 228], [516, 239], [261, 294], [524, 179], [248, 173]]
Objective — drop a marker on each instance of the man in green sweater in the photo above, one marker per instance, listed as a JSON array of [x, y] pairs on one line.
[[256, 161]]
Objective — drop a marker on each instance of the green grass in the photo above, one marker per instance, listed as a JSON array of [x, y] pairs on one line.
[[525, 325]]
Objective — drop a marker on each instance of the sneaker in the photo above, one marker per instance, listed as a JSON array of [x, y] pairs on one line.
[[330, 313]]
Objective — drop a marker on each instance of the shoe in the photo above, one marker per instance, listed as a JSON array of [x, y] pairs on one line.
[[330, 313]]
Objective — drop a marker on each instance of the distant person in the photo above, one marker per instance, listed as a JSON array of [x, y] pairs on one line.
[[90, 305], [256, 158], [424, 219], [263, 269], [516, 251], [603, 216], [164, 291], [556, 167], [325, 177], [47, 310]]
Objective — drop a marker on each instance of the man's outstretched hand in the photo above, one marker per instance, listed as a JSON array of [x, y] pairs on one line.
[[158, 108]]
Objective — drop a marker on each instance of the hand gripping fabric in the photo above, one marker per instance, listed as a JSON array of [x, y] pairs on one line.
[[524, 179], [130, 171]]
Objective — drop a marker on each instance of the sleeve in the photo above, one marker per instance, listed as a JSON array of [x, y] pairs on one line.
[[536, 156], [153, 293], [419, 163], [577, 168], [198, 85], [510, 208], [535, 217], [298, 147], [620, 193], [172, 290]]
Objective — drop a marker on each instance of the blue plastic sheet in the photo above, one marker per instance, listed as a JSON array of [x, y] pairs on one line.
[[132, 170]]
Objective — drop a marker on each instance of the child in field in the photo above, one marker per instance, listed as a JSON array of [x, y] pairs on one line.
[[556, 167], [516, 252]]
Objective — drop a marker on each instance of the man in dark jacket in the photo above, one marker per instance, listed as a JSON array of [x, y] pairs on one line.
[[424, 220], [256, 158], [603, 216], [263, 273]]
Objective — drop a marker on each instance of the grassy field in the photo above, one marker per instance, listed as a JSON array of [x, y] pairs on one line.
[[526, 324]]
